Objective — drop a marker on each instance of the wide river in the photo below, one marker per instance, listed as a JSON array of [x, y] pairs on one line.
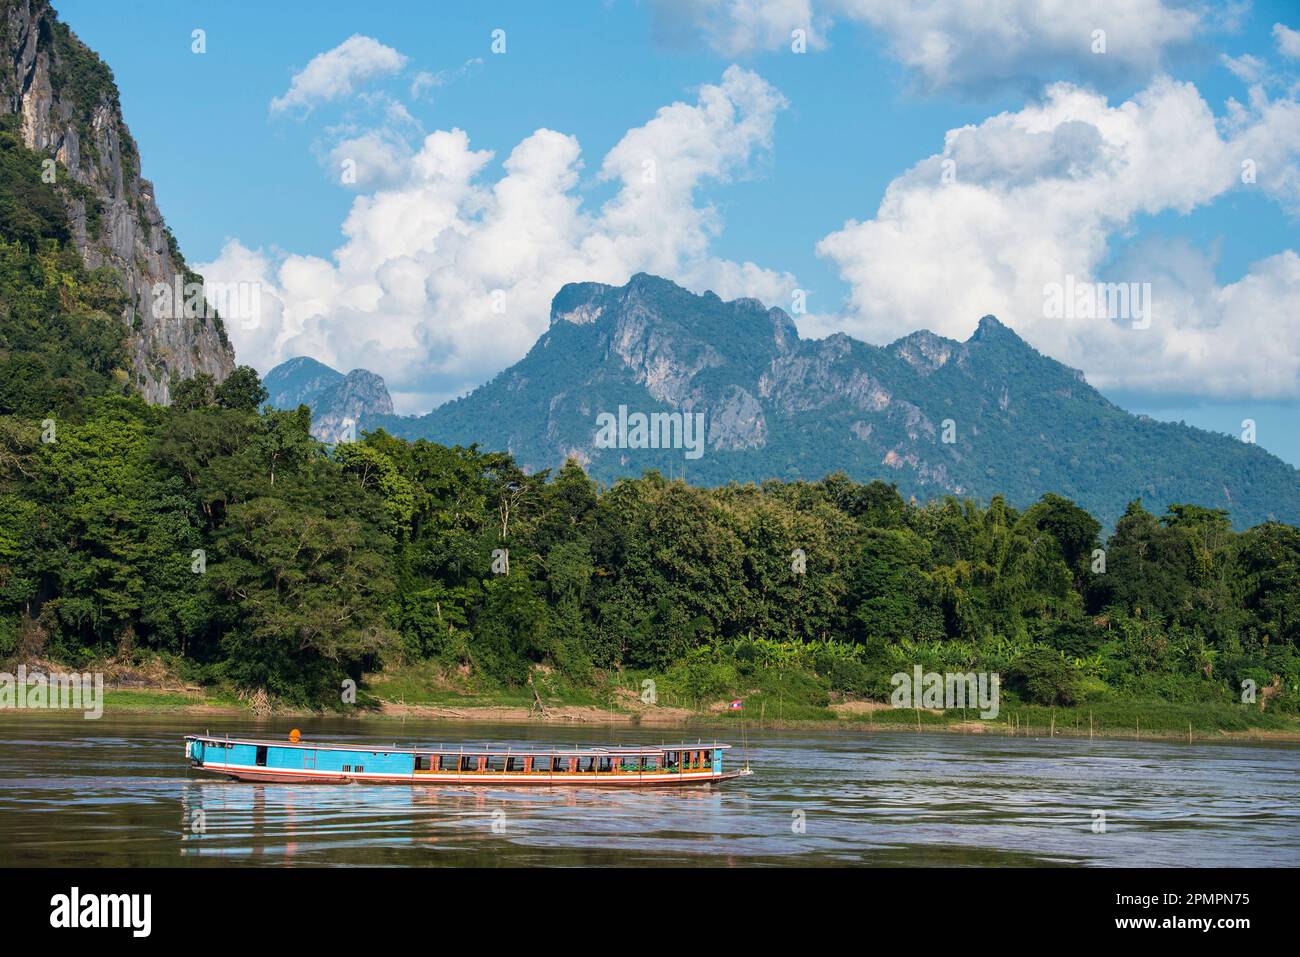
[[118, 792]]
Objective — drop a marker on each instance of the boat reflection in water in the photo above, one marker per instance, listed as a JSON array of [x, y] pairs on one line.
[[223, 819]]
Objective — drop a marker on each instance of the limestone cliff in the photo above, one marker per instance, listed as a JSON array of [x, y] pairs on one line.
[[68, 108]]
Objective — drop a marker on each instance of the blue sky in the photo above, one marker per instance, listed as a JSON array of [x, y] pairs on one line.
[[865, 107]]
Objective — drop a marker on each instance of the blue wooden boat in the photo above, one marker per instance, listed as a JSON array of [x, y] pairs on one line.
[[299, 761]]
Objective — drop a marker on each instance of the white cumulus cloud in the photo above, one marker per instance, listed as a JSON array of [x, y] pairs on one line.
[[338, 72], [1288, 40], [446, 277], [1034, 196]]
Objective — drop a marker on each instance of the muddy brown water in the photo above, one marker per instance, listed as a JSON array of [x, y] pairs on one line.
[[117, 792]]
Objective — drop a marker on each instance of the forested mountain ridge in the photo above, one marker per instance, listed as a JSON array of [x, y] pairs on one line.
[[934, 416], [60, 101]]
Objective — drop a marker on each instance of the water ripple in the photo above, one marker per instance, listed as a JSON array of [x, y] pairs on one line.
[[117, 792]]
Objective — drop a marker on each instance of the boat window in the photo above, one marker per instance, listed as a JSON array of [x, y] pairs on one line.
[[360, 768], [422, 762], [261, 755], [467, 762], [347, 767], [557, 764], [708, 758]]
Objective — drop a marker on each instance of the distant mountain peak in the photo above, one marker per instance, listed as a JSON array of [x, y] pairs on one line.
[[649, 279], [581, 303], [337, 401], [924, 351], [575, 302], [932, 415], [306, 362], [991, 329]]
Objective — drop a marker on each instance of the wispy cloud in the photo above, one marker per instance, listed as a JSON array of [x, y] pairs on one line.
[[427, 80], [962, 45]]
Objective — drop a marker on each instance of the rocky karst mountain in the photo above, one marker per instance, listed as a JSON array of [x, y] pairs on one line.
[[337, 401], [778, 406], [65, 103]]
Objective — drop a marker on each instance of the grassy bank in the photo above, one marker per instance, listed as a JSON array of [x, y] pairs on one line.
[[171, 701], [772, 700], [1125, 719]]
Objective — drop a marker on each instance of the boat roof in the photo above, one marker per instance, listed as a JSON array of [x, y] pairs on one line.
[[459, 749]]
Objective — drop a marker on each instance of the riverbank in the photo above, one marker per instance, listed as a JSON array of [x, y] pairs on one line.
[[1139, 720], [772, 699]]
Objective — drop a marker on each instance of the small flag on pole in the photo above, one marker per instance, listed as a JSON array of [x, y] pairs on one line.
[[736, 705]]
